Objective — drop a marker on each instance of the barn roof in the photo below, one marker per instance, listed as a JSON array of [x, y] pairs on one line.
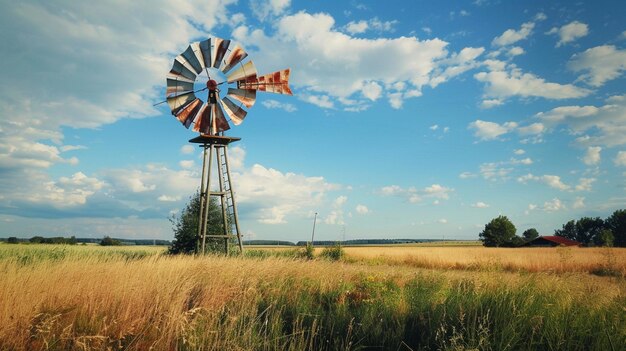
[[558, 240]]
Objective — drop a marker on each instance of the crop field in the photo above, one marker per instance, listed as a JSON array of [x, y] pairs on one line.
[[390, 298]]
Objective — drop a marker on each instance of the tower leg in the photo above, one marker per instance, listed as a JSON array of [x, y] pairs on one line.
[[205, 218], [225, 223], [203, 200]]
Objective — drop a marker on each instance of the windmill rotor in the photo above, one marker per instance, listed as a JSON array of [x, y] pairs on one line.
[[236, 78]]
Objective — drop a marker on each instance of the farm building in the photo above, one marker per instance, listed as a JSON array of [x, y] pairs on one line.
[[551, 241]]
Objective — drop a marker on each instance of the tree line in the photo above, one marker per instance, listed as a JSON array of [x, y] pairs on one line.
[[589, 231]]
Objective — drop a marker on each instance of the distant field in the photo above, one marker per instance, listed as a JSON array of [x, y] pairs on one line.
[[135, 298]]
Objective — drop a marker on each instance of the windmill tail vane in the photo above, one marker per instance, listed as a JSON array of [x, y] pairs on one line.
[[210, 117]]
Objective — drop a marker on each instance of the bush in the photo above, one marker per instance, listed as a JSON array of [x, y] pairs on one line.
[[333, 253], [108, 241]]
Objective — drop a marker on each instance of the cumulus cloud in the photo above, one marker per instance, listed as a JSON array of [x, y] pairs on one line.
[[553, 205], [579, 203], [599, 64], [511, 36], [569, 32], [603, 125], [480, 204], [592, 156], [490, 130], [273, 104], [362, 209], [319, 51], [187, 149], [552, 181], [415, 195], [620, 159], [263, 9]]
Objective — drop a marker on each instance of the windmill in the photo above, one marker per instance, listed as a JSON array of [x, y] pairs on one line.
[[217, 65]]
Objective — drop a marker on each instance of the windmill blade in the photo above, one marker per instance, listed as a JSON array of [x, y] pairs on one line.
[[178, 77], [220, 47], [243, 72], [179, 69], [187, 114], [277, 82], [220, 124], [234, 112], [245, 96], [175, 86], [192, 59], [203, 120], [180, 58], [178, 102], [205, 50], [236, 55]]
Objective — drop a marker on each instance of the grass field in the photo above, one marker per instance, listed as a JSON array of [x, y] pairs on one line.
[[135, 298]]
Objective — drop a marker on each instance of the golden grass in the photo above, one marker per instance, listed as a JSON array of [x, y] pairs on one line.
[[154, 301]]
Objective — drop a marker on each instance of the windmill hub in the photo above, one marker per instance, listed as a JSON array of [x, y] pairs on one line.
[[211, 84]]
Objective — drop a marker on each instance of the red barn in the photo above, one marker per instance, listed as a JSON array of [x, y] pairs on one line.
[[551, 241]]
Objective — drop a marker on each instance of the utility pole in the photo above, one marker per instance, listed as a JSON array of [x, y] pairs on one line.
[[313, 235]]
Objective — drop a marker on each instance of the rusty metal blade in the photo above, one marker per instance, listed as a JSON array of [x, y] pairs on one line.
[[178, 68], [205, 49], [203, 120], [245, 96], [244, 71], [191, 58], [276, 82], [180, 58], [234, 112], [220, 124], [175, 86], [178, 102], [178, 77], [188, 113], [236, 55], [220, 47]]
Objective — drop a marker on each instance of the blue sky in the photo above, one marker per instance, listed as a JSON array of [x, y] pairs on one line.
[[415, 119]]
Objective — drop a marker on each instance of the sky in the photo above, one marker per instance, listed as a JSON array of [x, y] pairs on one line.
[[409, 119]]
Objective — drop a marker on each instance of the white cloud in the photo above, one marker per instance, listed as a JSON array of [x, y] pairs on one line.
[[523, 161], [511, 36], [357, 27], [570, 32], [501, 84], [515, 51], [519, 152], [322, 101], [415, 195], [604, 125], [553, 205], [494, 171], [266, 8], [487, 104], [331, 63], [187, 164], [620, 159], [466, 175], [273, 104], [433, 127], [372, 90], [601, 64], [592, 156], [552, 181], [490, 130], [442, 221], [167, 198], [579, 203], [187, 149], [362, 209], [480, 204], [533, 129], [584, 184]]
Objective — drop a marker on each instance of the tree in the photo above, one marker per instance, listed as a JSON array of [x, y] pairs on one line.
[[530, 234], [185, 227], [12, 240], [499, 232], [108, 241], [616, 223], [568, 231]]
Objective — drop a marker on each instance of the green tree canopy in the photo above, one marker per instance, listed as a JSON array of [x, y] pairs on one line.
[[530, 234], [616, 223], [499, 232], [587, 231], [185, 227]]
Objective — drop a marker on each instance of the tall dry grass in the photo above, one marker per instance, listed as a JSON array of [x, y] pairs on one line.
[[89, 299], [556, 260]]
